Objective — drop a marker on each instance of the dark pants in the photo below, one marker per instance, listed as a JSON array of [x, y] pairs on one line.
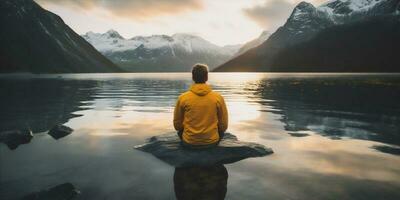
[[191, 146]]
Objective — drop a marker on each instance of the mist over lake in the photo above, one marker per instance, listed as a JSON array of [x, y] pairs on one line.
[[334, 136]]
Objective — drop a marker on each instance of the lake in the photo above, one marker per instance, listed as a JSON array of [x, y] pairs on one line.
[[335, 136]]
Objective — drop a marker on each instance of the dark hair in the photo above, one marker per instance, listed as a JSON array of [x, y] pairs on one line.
[[200, 73]]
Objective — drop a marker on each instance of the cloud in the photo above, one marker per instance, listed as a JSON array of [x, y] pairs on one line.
[[138, 9], [273, 13]]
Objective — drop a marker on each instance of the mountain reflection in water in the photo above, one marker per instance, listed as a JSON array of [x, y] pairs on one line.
[[39, 104], [356, 107]]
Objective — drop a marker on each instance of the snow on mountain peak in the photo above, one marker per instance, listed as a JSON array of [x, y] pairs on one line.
[[111, 41], [343, 7], [352, 4], [112, 31], [340, 11], [302, 10], [113, 34], [184, 35], [304, 7], [195, 43]]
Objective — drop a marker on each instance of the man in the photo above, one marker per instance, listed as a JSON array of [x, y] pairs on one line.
[[200, 114]]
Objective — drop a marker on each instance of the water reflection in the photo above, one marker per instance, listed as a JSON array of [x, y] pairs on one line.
[[40, 104], [201, 182], [65, 191], [111, 113], [356, 107]]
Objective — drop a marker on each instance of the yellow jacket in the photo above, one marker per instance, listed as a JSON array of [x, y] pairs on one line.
[[200, 113]]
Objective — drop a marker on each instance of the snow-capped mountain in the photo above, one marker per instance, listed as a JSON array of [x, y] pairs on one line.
[[159, 52], [254, 43], [307, 20], [347, 6], [305, 23], [370, 45], [36, 40], [340, 10]]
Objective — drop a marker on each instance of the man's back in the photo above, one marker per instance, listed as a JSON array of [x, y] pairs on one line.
[[201, 114]]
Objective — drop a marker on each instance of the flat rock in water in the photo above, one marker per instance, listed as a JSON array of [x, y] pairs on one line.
[[59, 131], [168, 148], [14, 138]]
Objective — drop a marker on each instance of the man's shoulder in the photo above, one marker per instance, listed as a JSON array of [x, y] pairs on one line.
[[189, 94], [183, 95]]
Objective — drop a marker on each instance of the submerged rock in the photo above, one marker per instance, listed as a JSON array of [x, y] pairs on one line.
[[14, 138], [168, 148], [294, 134], [388, 149], [65, 191], [59, 131]]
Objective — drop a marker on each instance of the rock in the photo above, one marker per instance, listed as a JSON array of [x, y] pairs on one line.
[[59, 131], [168, 148], [14, 138], [391, 149], [299, 134], [335, 137], [65, 191]]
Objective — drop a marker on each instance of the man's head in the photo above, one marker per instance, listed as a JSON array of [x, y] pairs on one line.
[[200, 73]]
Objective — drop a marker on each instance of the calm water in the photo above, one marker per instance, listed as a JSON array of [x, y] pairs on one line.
[[349, 123]]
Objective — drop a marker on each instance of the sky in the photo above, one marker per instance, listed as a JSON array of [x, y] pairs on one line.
[[222, 22]]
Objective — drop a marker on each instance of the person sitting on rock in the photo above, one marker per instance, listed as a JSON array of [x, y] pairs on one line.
[[200, 114]]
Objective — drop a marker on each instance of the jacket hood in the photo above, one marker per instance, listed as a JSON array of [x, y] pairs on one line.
[[201, 89]]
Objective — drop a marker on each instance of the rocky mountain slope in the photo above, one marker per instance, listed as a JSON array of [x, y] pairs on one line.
[[370, 45], [36, 40], [159, 53], [254, 43], [308, 24]]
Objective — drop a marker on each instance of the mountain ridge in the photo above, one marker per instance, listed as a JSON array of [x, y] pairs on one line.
[[36, 40], [365, 48], [254, 43], [177, 52], [305, 23]]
